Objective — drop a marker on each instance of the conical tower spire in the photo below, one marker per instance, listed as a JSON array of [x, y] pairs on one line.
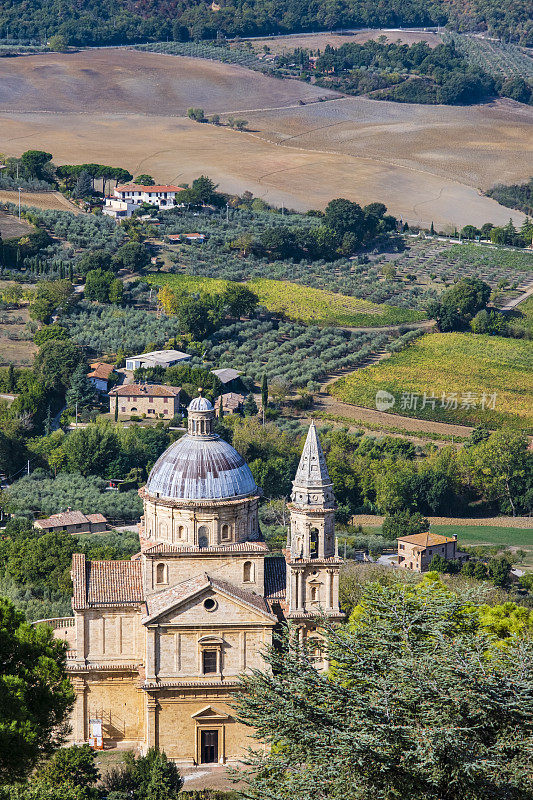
[[312, 485]]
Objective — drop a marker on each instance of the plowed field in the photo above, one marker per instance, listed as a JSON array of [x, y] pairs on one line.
[[127, 108]]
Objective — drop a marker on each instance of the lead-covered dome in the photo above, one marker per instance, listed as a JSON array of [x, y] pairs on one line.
[[201, 468], [201, 465]]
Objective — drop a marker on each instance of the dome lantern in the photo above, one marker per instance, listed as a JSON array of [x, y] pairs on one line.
[[201, 416]]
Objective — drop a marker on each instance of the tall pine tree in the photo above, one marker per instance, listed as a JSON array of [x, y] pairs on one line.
[[81, 391]]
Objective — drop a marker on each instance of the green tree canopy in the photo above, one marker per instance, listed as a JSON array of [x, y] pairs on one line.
[[36, 695], [55, 363], [418, 704]]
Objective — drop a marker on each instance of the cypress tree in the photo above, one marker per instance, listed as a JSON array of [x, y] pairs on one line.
[[220, 408], [11, 383]]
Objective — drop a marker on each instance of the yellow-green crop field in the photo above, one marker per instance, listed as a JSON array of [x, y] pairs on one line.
[[445, 370], [302, 303]]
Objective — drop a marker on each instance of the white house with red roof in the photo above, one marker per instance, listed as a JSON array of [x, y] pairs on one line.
[[127, 199]]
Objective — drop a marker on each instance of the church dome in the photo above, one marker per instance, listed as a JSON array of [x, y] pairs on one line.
[[201, 465], [201, 468]]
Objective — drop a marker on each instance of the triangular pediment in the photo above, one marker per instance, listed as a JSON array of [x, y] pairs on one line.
[[206, 600], [209, 714]]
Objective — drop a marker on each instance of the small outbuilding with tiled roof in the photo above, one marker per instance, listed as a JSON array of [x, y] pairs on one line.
[[73, 522]]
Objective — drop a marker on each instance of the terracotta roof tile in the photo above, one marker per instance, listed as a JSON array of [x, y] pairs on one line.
[[426, 539], [275, 578], [138, 188], [104, 583], [145, 390], [239, 547], [96, 518], [102, 371], [63, 519]]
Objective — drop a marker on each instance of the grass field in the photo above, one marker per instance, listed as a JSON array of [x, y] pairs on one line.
[[506, 537], [302, 303], [463, 364], [424, 162]]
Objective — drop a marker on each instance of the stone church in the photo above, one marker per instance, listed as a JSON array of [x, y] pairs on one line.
[[157, 643]]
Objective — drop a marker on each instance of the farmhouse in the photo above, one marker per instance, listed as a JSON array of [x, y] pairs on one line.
[[232, 403], [100, 374], [157, 643], [145, 398], [415, 552], [72, 522], [127, 199], [157, 358]]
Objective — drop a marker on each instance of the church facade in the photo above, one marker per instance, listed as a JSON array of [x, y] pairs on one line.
[[157, 643]]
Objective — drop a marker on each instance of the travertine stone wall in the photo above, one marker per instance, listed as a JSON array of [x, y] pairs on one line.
[[180, 722], [229, 568], [185, 525], [112, 636]]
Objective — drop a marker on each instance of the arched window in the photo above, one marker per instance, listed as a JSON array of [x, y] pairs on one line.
[[203, 536], [181, 532], [225, 532], [248, 572], [161, 573], [313, 542], [314, 594]]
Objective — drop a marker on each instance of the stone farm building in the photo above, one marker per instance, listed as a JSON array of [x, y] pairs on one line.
[[157, 643], [415, 552], [73, 522], [154, 400]]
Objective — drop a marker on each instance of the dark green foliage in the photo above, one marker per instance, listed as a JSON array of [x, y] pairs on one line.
[[492, 322], [518, 196], [459, 304], [102, 23], [71, 767], [442, 74], [81, 392], [55, 363], [240, 300], [144, 180], [404, 524], [35, 161], [84, 186], [36, 693], [149, 777], [250, 406], [412, 707], [49, 332], [98, 285], [132, 256], [93, 260], [181, 374]]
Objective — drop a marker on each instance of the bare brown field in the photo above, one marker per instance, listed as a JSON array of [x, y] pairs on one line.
[[135, 82], [426, 163], [14, 351], [318, 41], [10, 227], [46, 200]]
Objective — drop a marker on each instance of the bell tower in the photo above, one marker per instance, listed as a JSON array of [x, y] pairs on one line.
[[312, 555]]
